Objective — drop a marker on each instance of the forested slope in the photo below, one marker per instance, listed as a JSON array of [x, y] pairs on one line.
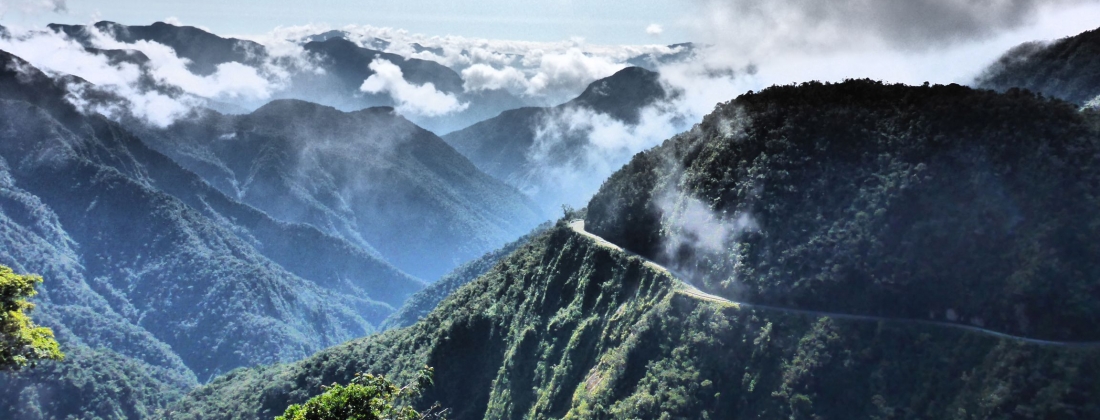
[[1068, 68], [152, 276], [934, 202], [370, 177], [567, 328]]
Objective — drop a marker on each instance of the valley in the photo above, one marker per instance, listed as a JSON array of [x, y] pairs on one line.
[[796, 227]]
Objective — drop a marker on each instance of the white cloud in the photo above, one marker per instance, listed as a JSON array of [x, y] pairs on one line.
[[654, 29], [552, 72], [57, 54], [421, 100], [230, 80], [941, 41], [483, 76], [576, 148], [564, 75]]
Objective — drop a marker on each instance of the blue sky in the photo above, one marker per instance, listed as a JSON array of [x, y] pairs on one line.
[[605, 22]]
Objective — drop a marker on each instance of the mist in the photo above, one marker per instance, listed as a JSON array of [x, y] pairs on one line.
[[939, 41]]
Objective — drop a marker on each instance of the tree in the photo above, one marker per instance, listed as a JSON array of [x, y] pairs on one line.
[[367, 397], [22, 342]]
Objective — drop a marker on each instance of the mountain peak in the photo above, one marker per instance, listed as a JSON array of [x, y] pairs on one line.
[[623, 94]]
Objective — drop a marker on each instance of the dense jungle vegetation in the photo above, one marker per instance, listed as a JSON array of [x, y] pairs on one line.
[[1068, 68], [927, 202], [564, 328]]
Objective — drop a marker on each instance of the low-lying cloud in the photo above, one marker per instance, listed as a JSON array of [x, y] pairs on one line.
[[577, 148], [486, 77], [419, 100], [544, 73], [694, 233], [154, 86]]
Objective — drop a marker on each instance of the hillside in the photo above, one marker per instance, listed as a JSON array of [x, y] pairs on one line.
[[870, 237], [565, 328], [204, 50], [934, 202], [1068, 68], [421, 303], [370, 177], [152, 275], [504, 146]]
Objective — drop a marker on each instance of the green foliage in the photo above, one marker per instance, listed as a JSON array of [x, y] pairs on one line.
[[367, 397], [90, 384], [871, 198], [1065, 68], [563, 328], [22, 343], [157, 281], [421, 303], [403, 193]]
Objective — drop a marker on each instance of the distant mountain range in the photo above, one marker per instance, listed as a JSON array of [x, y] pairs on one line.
[[157, 277], [370, 177], [344, 67], [503, 146]]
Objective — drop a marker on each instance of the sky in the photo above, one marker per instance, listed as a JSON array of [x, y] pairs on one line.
[[610, 22]]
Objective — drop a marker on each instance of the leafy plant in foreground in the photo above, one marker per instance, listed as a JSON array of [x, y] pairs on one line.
[[22, 342], [367, 397]]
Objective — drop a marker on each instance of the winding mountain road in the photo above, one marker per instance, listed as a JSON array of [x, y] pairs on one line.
[[687, 289]]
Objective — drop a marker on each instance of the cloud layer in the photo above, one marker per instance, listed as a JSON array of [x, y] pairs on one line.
[[811, 25], [420, 100]]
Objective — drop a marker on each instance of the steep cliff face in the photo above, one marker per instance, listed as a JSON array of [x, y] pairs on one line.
[[567, 328]]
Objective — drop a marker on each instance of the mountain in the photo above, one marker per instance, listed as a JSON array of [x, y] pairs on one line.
[[423, 302], [567, 328], [349, 63], [204, 50], [370, 177], [855, 203], [679, 53], [505, 146], [338, 67], [346, 66], [1066, 68], [935, 202], [151, 274]]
